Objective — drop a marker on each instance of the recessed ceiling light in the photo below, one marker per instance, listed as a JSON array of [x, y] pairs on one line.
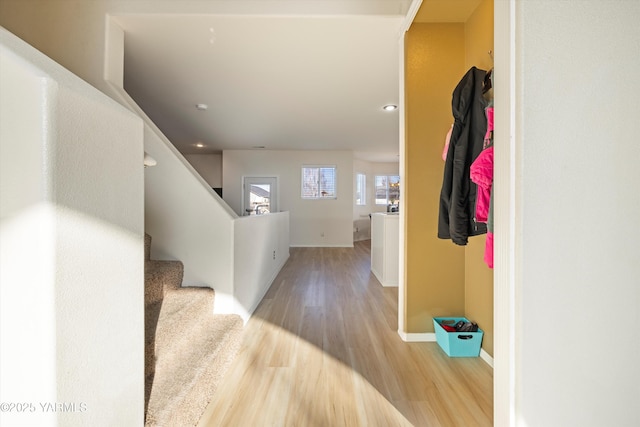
[[390, 107], [200, 145], [202, 107]]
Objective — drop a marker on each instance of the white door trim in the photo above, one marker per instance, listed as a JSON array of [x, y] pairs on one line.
[[275, 202], [507, 215]]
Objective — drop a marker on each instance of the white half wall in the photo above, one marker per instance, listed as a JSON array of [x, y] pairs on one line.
[[261, 247], [71, 248], [312, 222]]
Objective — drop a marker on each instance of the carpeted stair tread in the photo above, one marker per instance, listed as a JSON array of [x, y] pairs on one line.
[[185, 381], [183, 311]]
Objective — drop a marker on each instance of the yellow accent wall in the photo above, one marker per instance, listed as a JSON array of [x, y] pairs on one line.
[[478, 32], [434, 267], [442, 279]]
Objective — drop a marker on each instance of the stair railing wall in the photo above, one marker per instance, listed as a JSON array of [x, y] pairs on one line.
[[261, 247]]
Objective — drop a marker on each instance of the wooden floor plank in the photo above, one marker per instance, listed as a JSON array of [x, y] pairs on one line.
[[322, 349]]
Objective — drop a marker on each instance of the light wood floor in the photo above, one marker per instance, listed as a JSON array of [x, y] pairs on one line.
[[322, 349]]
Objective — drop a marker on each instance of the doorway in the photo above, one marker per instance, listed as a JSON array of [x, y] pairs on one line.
[[259, 195]]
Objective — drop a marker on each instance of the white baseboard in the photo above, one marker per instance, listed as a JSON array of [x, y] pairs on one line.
[[425, 337], [485, 356], [322, 246], [387, 283], [431, 337]]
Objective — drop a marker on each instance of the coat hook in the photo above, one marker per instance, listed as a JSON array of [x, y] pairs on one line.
[[490, 54]]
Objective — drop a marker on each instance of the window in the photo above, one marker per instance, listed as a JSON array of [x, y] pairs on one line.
[[361, 186], [387, 189], [319, 182]]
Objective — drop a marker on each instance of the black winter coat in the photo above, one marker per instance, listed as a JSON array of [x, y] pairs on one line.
[[456, 220]]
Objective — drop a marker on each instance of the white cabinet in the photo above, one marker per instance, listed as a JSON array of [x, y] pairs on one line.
[[385, 243]]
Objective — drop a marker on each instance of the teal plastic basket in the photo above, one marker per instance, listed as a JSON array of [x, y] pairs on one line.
[[457, 344]]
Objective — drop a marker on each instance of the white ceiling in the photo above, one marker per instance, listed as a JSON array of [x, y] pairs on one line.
[[302, 77]]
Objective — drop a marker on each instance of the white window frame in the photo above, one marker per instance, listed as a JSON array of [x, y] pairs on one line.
[[375, 189], [319, 196], [361, 189]]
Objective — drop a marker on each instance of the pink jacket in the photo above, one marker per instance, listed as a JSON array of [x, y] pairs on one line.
[[482, 174]]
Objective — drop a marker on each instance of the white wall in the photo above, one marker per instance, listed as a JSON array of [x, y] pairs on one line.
[[312, 222], [577, 259], [71, 237], [209, 166], [261, 248]]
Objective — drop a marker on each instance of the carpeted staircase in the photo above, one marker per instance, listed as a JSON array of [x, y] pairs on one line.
[[187, 347]]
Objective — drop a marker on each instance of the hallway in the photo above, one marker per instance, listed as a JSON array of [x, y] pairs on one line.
[[322, 349]]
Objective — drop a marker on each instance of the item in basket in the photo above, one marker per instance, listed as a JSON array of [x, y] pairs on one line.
[[448, 328], [463, 326]]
